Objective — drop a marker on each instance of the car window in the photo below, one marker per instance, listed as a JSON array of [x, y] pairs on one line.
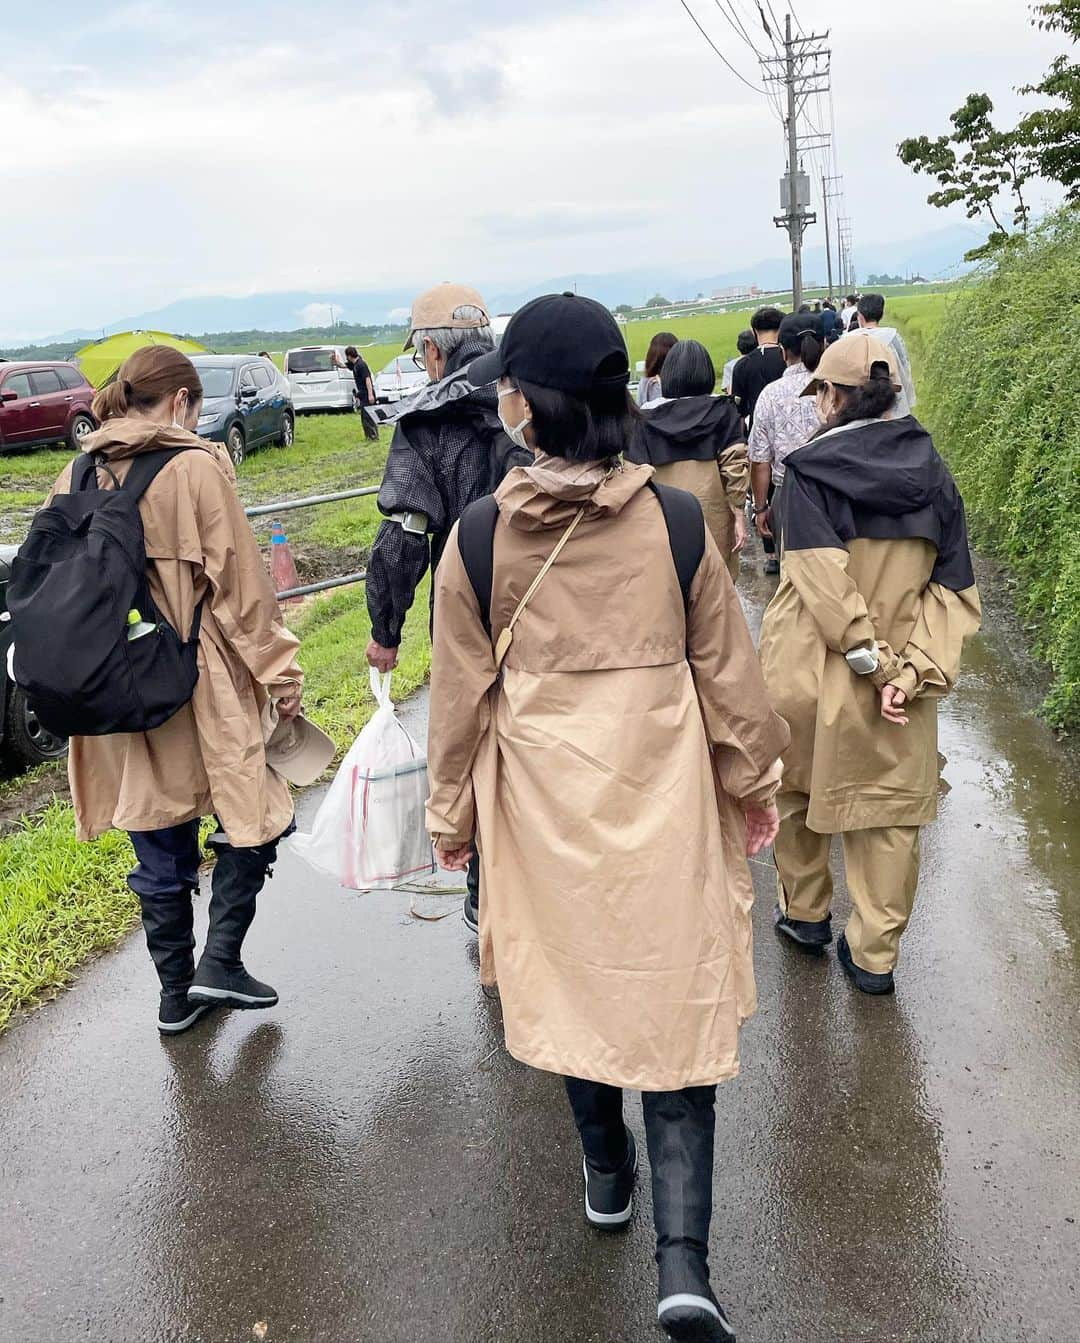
[[44, 381], [246, 377], [19, 383], [217, 380], [71, 378], [309, 361], [261, 375]]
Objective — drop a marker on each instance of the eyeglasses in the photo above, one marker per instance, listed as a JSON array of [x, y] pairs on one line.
[[418, 360]]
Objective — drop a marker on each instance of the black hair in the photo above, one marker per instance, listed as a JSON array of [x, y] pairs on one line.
[[872, 307], [582, 427], [767, 319], [869, 401], [803, 308], [828, 303], [351, 352], [746, 342], [801, 334], [688, 370]]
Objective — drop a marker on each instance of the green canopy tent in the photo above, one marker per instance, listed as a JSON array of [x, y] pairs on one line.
[[100, 360]]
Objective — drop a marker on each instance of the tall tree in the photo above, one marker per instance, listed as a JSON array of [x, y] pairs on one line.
[[1053, 133]]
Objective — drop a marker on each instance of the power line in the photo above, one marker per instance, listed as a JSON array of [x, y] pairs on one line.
[[736, 23], [754, 88]]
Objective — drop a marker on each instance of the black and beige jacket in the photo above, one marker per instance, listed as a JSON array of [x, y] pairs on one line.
[[874, 551]]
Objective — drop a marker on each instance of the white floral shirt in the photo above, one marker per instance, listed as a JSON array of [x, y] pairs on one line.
[[784, 420]]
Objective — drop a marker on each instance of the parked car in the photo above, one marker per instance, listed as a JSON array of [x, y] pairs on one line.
[[246, 402], [23, 741], [320, 378], [399, 379], [44, 402]]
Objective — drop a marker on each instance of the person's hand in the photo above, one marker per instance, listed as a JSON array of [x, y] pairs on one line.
[[893, 700], [288, 707], [761, 522], [740, 532], [454, 860], [762, 824], [382, 659]]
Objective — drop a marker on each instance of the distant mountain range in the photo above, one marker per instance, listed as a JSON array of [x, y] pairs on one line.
[[937, 255]]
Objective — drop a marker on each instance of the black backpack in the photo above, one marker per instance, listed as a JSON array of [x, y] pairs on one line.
[[76, 578], [683, 518]]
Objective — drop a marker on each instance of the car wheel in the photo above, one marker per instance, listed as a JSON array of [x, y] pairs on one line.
[[288, 430], [81, 425], [234, 441], [26, 742]]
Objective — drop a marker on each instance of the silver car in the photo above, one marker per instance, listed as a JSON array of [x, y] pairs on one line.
[[399, 379]]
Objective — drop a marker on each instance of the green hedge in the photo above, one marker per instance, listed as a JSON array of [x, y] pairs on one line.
[[1001, 390]]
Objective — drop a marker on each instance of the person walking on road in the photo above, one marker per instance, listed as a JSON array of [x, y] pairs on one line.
[[205, 573], [697, 441], [745, 343], [764, 365], [442, 458], [615, 741], [649, 387], [364, 391], [862, 639], [870, 311], [783, 420]]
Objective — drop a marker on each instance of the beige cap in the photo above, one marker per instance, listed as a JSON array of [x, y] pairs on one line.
[[295, 748], [436, 308], [848, 362]]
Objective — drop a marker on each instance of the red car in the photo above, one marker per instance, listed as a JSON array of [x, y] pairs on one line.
[[44, 402]]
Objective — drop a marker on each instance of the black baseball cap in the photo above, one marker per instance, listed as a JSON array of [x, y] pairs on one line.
[[562, 341]]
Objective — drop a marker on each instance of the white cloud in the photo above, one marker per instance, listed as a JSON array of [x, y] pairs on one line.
[[320, 314]]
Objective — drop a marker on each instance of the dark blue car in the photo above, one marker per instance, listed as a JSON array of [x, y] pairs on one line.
[[246, 402]]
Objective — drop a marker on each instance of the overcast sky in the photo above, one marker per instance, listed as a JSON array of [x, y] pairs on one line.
[[153, 151]]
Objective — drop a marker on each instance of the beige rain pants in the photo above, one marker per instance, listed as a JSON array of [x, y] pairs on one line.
[[882, 867]]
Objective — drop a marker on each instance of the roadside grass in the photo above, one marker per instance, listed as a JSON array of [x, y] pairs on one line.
[[60, 901]]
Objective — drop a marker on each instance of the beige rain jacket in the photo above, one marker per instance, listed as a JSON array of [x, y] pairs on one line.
[[602, 771], [209, 757], [875, 550]]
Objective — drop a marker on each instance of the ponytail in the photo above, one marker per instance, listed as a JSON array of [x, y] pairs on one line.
[[810, 350], [144, 380]]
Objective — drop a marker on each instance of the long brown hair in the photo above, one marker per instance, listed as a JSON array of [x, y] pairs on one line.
[[659, 346], [145, 379]]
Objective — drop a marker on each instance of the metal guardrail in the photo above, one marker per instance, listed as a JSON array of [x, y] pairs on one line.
[[289, 505]]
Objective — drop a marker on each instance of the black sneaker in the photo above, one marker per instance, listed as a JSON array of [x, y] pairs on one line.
[[609, 1198], [695, 1319], [806, 932], [471, 913], [177, 1013], [229, 986], [865, 980], [772, 566]]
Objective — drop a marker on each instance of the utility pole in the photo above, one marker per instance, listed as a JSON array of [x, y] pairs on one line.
[[827, 196], [802, 71]]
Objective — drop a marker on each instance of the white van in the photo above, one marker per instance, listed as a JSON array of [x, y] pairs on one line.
[[319, 377]]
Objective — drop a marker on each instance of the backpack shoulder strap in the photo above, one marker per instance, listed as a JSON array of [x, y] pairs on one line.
[[685, 524], [476, 544], [145, 467]]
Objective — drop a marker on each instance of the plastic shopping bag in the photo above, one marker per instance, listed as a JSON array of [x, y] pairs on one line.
[[370, 831]]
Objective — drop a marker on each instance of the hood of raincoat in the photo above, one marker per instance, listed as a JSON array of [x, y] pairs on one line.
[[877, 480], [687, 429], [550, 492], [131, 435]]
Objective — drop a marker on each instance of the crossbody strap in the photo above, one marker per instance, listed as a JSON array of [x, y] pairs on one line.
[[506, 638]]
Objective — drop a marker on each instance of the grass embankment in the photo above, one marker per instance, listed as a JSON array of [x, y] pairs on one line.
[[999, 388], [61, 901]]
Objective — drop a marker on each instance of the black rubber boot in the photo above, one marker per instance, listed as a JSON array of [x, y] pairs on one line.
[[168, 922], [471, 910], [680, 1127], [239, 876], [865, 980], [814, 935]]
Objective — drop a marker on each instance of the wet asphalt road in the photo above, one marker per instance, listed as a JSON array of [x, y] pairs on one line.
[[365, 1164]]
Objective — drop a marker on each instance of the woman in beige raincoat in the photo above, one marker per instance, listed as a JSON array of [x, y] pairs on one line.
[[862, 639], [697, 441], [209, 758], [617, 767]]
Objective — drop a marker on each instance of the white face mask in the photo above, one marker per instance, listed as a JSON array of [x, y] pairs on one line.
[[514, 432]]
